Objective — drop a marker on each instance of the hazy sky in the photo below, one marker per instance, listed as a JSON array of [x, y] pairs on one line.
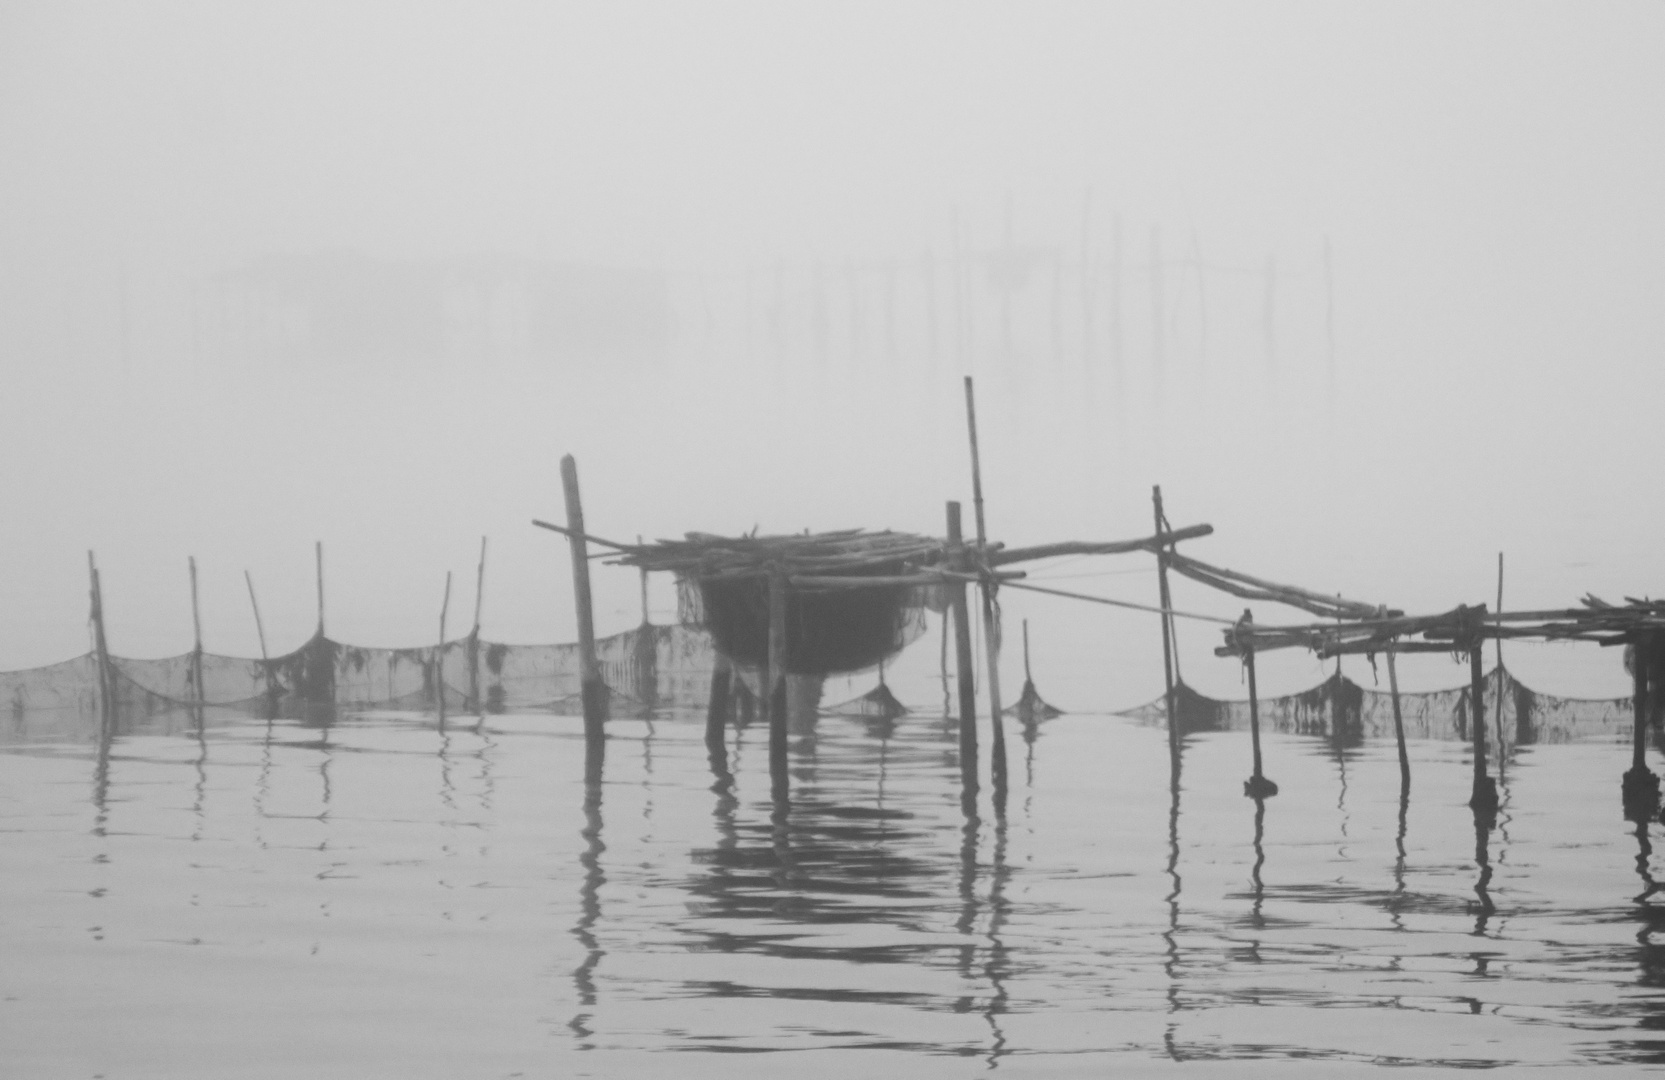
[[1486, 174]]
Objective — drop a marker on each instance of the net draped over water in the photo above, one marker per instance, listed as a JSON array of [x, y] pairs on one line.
[[1343, 711], [643, 668]]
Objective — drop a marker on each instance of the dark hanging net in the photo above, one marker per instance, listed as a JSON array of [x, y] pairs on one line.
[[1343, 711], [828, 631], [643, 668]]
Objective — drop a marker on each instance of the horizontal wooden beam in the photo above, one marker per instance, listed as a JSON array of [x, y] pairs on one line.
[[1093, 547]]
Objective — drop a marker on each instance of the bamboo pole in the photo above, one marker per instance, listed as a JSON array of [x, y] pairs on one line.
[[439, 650], [592, 691], [991, 625], [101, 648], [1502, 745], [1167, 631], [962, 659], [260, 630], [318, 552], [196, 639], [774, 685], [1484, 799], [1257, 786], [474, 633], [1398, 724]]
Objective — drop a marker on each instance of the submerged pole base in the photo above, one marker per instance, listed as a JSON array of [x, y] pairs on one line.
[[1484, 800], [1641, 794], [1259, 787]]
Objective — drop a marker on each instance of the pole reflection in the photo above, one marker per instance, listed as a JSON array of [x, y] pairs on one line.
[[589, 913]]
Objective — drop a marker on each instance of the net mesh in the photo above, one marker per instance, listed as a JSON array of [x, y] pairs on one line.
[[1343, 711], [643, 668]]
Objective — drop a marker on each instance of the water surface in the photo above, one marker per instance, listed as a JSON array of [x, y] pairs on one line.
[[386, 895]]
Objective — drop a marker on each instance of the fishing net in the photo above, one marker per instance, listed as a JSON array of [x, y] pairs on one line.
[[643, 668], [828, 631], [1345, 712]]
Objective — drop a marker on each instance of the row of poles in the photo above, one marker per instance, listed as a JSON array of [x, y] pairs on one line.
[[107, 674]]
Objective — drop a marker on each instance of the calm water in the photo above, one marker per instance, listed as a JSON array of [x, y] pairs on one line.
[[388, 897]]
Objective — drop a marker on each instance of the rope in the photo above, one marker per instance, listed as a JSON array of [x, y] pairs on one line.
[[1102, 600]]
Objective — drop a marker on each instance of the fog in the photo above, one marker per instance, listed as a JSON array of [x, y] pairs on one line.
[[1373, 289]]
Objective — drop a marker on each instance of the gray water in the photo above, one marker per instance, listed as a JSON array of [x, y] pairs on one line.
[[389, 896]]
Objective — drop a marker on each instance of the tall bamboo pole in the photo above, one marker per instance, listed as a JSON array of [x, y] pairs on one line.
[[101, 648], [1257, 786], [1398, 724], [318, 552], [991, 624], [1167, 629], [592, 691], [260, 630], [196, 640], [1484, 799], [962, 656], [474, 633], [439, 650], [774, 687], [1502, 745]]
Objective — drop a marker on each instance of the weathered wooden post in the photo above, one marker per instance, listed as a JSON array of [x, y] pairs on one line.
[[991, 624], [1484, 799], [644, 655], [962, 655], [592, 691], [1398, 724], [1167, 630], [196, 643], [1641, 786], [774, 683], [1256, 786]]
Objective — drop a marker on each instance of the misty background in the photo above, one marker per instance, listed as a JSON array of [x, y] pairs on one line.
[[1373, 289]]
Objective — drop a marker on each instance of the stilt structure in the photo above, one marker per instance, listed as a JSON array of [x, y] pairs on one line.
[[991, 613], [774, 685]]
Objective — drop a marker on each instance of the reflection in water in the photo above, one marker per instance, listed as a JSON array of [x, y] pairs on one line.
[[589, 912], [868, 912]]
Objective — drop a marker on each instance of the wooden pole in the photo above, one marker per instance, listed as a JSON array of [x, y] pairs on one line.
[[474, 633], [318, 551], [1497, 708], [1484, 799], [962, 657], [258, 628], [720, 710], [101, 648], [592, 691], [196, 639], [1398, 724], [991, 625], [774, 686], [1256, 786], [1167, 630], [1641, 786], [439, 650]]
